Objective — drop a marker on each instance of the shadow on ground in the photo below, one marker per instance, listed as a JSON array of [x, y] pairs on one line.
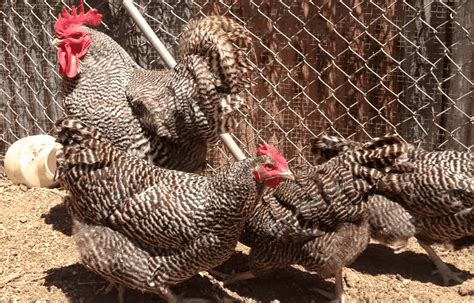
[[58, 217], [285, 285], [81, 285], [463, 242], [381, 260], [289, 285]]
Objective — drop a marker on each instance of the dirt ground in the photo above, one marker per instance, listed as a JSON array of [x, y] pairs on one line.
[[38, 263]]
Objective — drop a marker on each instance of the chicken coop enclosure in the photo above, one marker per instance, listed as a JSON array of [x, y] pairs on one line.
[[354, 68]]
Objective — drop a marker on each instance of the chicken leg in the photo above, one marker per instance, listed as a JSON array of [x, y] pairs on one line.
[[228, 279], [441, 268], [108, 288], [338, 296]]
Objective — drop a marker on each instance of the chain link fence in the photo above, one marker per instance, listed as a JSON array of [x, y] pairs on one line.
[[353, 68]]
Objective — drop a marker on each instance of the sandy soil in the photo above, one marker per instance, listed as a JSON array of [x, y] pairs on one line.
[[38, 263]]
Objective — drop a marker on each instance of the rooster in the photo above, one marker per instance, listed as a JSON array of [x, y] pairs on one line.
[[174, 224], [167, 117], [320, 220], [433, 201]]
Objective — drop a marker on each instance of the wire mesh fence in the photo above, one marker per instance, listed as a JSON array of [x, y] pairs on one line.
[[354, 68]]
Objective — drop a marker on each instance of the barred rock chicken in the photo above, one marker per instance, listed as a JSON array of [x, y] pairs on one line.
[[319, 220], [389, 222], [167, 117], [173, 224], [433, 201]]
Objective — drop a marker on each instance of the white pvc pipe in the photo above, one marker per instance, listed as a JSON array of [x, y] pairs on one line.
[[149, 33], [232, 146], [170, 62]]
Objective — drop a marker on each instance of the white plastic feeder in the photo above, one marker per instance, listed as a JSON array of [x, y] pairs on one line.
[[32, 161]]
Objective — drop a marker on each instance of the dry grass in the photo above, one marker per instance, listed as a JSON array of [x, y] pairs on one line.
[[38, 263]]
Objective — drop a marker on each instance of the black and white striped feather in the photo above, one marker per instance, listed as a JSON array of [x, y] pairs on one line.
[[185, 222], [435, 196], [320, 220], [167, 117]]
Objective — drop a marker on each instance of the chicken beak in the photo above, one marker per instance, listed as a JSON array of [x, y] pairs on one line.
[[55, 42], [287, 174]]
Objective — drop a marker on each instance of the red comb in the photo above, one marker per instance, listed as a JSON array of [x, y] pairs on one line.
[[272, 152], [66, 22]]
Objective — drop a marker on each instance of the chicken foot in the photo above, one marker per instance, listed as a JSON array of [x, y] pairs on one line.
[[338, 296], [441, 268]]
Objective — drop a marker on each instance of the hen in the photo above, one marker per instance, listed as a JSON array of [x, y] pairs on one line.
[[390, 223], [319, 220], [433, 201], [173, 224], [167, 117]]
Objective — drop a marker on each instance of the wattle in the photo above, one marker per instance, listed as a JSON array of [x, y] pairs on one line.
[[70, 52], [274, 182], [68, 62]]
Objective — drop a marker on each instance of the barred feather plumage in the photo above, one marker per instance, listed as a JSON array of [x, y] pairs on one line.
[[389, 223], [320, 220], [433, 194], [165, 117], [439, 183], [434, 198], [108, 253], [182, 223]]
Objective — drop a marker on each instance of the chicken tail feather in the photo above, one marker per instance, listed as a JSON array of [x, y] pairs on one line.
[[217, 50], [82, 146]]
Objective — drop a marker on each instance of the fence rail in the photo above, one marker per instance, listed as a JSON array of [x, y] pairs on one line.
[[350, 67]]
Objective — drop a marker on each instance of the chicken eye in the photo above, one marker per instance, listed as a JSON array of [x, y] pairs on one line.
[[76, 35], [270, 166]]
